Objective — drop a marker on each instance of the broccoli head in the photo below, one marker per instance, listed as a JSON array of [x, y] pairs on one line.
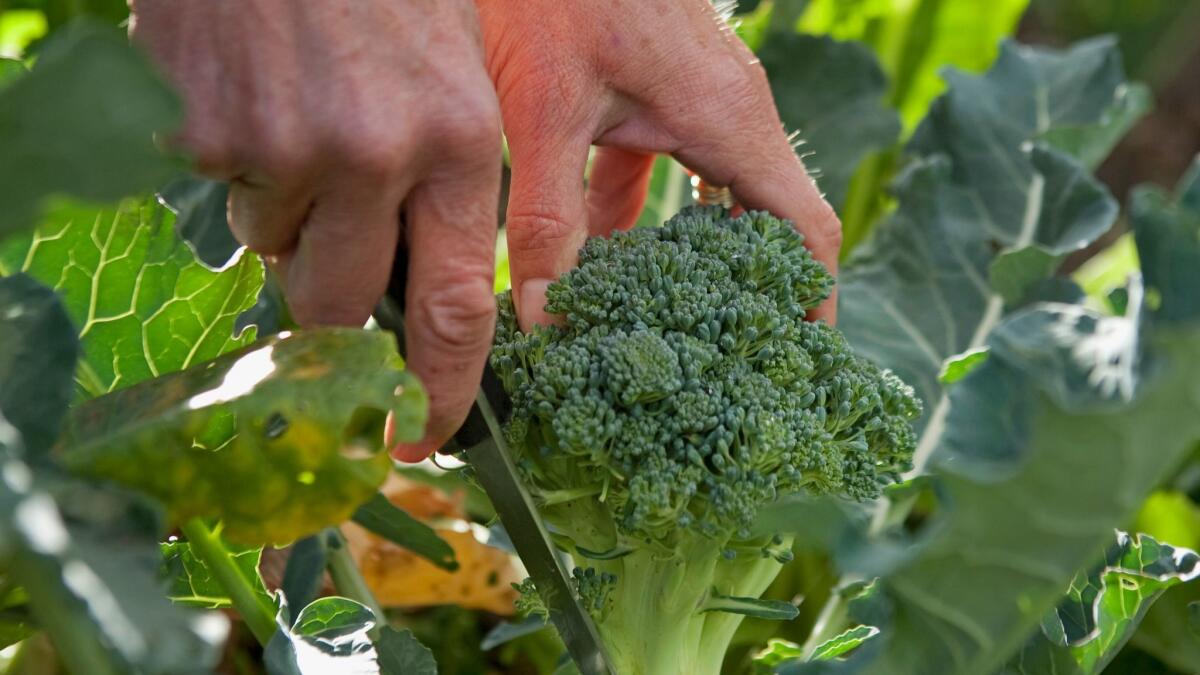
[[683, 392]]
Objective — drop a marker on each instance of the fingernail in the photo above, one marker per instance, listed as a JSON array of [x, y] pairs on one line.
[[412, 453], [531, 306]]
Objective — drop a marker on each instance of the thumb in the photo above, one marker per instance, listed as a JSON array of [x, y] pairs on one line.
[[547, 218]]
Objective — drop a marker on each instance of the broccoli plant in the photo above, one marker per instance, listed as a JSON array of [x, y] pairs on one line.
[[684, 391]]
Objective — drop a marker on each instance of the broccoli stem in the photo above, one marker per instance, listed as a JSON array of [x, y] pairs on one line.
[[655, 626]]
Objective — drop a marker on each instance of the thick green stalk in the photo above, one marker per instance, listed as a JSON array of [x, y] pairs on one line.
[[206, 545], [746, 577]]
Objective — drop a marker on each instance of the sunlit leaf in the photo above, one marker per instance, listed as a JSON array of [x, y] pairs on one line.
[[191, 583], [142, 303], [277, 440]]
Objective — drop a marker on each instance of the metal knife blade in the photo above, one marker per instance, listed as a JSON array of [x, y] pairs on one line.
[[482, 437]]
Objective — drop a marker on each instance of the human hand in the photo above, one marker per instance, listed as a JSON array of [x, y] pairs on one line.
[[330, 120], [635, 78]]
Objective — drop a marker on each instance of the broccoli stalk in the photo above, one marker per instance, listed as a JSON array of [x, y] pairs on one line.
[[684, 392]]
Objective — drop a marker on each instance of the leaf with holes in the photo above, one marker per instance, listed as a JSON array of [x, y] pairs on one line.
[[143, 305], [278, 440], [1102, 608]]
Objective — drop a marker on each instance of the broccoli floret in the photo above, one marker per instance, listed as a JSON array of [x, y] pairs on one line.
[[683, 392]]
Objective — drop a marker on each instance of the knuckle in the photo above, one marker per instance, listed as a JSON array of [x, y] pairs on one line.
[[370, 153], [471, 121], [531, 232], [459, 315]]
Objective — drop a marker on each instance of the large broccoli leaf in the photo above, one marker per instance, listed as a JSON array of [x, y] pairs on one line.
[[82, 123], [143, 305], [86, 557], [979, 192], [1055, 439], [832, 94], [278, 440]]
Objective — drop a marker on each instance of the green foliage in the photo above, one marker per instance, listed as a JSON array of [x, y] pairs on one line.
[[142, 303], [335, 635], [190, 582], [1103, 607], [833, 94], [684, 392], [265, 438], [81, 123], [86, 557], [391, 522]]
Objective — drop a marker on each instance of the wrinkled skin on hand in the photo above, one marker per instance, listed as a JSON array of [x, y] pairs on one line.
[[636, 78], [332, 119]]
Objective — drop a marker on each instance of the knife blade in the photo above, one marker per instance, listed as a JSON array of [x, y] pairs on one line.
[[482, 439]]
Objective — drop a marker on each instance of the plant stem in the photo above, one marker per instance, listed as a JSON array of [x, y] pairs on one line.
[[207, 546], [348, 579]]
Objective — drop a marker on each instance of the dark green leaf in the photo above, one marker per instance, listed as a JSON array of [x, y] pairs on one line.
[[191, 583], [389, 521], [142, 303], [832, 93], [1014, 274], [81, 124], [277, 440], [755, 607], [919, 292], [1044, 451], [305, 570], [86, 557], [199, 205], [402, 654], [36, 340], [1091, 142], [1168, 242], [506, 631]]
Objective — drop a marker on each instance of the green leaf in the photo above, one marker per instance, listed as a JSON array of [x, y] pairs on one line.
[[277, 440], [36, 340], [400, 653], [1090, 142], [1170, 516], [832, 93], [82, 124], [1044, 452], [1102, 608], [143, 305], [191, 583], [777, 652], [85, 556], [331, 635], [1015, 274], [844, 643], [199, 205], [1171, 629], [1168, 243], [389, 521], [918, 292], [305, 570], [960, 365], [755, 607]]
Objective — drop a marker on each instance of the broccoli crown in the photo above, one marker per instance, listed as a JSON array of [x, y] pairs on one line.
[[685, 389]]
